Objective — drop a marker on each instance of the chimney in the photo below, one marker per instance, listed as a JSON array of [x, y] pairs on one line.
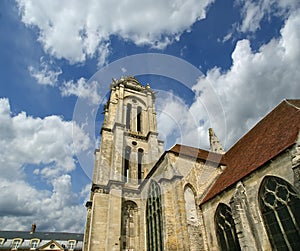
[[33, 227]]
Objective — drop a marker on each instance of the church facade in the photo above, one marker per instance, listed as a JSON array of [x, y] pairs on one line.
[[145, 198]]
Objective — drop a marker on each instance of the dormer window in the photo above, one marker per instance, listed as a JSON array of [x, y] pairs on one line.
[[2, 240], [16, 243], [71, 244], [34, 243]]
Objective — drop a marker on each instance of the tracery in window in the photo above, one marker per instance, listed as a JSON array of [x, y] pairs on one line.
[[225, 228], [154, 219], [280, 206]]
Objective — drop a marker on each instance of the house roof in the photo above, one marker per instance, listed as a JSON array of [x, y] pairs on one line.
[[272, 135], [197, 153], [41, 235]]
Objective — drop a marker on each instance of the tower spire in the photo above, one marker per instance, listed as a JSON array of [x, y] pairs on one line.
[[215, 145]]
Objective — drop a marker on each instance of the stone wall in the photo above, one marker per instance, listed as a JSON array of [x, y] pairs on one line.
[[243, 200]]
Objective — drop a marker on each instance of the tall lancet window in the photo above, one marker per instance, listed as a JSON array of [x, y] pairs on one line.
[[126, 163], [280, 206], [225, 228], [129, 222], [140, 165], [154, 219], [192, 219], [139, 119], [128, 116]]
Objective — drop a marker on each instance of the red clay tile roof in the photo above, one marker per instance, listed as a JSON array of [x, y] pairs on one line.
[[273, 134], [197, 153]]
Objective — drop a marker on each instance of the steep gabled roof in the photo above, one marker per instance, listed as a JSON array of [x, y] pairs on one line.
[[272, 135], [196, 153]]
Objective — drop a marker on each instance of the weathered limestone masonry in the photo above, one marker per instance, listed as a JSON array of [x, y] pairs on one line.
[[129, 148], [190, 199], [142, 198], [245, 209], [296, 162], [264, 166]]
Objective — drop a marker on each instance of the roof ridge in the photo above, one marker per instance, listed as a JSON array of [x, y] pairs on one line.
[[289, 103]]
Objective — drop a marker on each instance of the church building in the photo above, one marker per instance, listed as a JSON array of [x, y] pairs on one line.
[[144, 198]]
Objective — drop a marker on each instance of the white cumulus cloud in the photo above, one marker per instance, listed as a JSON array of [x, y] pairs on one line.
[[77, 30], [46, 144], [256, 81], [46, 74], [254, 11], [81, 89]]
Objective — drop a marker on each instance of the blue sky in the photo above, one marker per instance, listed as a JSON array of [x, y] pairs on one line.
[[248, 52]]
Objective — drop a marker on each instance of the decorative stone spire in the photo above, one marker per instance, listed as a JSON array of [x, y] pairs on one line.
[[215, 145]]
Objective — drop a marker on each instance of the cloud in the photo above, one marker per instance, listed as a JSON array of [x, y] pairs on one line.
[[177, 122], [47, 141], [253, 86], [46, 144], [81, 89], [47, 74], [55, 210], [78, 30], [256, 81], [253, 12]]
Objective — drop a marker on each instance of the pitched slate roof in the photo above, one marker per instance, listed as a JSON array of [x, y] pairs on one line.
[[41, 235], [272, 135]]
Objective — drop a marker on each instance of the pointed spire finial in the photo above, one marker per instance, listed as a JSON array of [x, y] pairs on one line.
[[215, 145]]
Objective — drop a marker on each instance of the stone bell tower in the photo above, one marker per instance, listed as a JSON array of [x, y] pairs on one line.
[[129, 148]]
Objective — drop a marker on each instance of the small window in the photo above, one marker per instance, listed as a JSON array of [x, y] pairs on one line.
[[16, 243], [34, 243], [71, 244]]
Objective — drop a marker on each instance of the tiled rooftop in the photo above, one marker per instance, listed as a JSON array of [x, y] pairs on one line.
[[272, 135]]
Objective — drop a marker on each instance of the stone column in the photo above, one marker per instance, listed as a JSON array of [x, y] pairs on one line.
[[244, 224]]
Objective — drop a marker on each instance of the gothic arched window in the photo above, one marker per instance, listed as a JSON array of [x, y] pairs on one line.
[[280, 207], [140, 167], [128, 116], [154, 219], [225, 228], [127, 163]]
